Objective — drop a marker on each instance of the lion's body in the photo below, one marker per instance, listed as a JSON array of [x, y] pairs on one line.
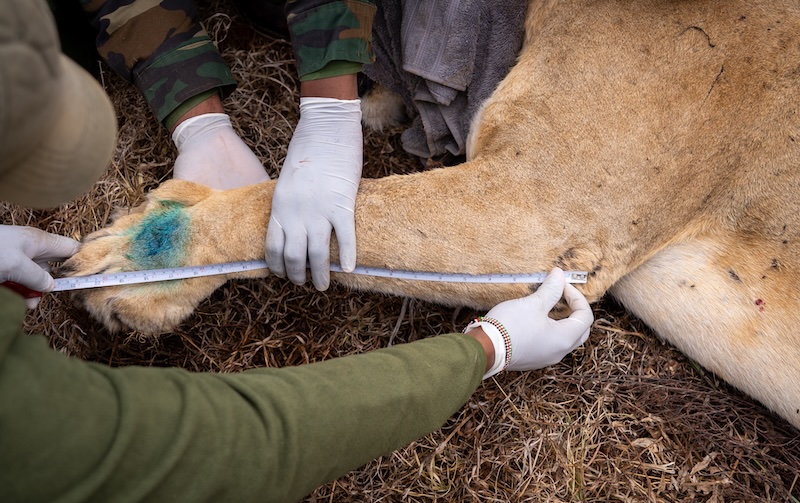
[[653, 143]]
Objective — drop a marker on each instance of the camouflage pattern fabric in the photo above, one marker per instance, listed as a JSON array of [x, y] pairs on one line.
[[325, 31], [161, 47]]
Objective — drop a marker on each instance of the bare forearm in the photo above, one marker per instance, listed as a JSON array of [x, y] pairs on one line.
[[210, 105], [343, 87]]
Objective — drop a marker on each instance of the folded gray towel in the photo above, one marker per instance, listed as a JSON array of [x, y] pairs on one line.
[[445, 58]]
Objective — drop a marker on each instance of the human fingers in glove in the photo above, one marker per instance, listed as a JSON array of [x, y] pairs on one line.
[[524, 337], [25, 253], [211, 153], [316, 192]]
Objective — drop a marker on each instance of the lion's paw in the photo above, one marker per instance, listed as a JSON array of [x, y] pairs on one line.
[[156, 235]]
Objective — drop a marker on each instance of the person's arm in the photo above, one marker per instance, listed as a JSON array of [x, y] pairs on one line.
[[486, 344], [165, 52], [209, 105], [342, 87], [86, 432], [162, 49], [316, 190]]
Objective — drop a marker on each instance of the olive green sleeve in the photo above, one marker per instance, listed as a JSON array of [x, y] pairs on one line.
[[77, 431]]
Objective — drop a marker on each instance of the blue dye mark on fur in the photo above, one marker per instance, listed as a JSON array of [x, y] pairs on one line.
[[159, 241]]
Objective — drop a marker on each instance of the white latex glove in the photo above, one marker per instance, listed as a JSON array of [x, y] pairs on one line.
[[537, 340], [316, 192], [24, 256], [212, 154]]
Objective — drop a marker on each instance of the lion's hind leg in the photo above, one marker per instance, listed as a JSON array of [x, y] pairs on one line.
[[727, 303]]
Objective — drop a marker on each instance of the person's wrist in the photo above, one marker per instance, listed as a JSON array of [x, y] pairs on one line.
[[342, 87], [211, 105], [500, 343], [486, 343]]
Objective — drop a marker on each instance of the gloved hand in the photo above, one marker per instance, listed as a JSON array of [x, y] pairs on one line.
[[25, 253], [316, 192], [212, 154], [534, 339]]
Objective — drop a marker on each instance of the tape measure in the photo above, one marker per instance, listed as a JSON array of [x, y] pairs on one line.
[[175, 273]]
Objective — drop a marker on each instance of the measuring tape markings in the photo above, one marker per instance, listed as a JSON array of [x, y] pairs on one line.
[[176, 273], [500, 278], [155, 275]]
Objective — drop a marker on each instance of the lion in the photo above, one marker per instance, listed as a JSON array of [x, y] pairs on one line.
[[651, 143]]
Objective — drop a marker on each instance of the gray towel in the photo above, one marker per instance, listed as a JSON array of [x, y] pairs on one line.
[[445, 58]]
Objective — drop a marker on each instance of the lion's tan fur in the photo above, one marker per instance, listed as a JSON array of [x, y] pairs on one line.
[[653, 143]]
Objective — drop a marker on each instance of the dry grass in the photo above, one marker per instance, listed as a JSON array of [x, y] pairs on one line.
[[625, 418]]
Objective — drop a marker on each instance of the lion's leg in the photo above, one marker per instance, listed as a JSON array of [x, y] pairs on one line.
[[463, 219], [729, 304], [440, 221]]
